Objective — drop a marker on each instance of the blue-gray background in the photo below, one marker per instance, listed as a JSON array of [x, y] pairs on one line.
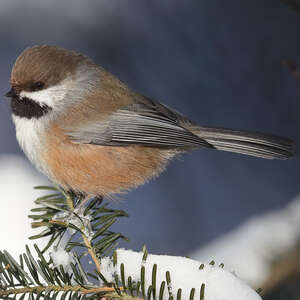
[[219, 62]]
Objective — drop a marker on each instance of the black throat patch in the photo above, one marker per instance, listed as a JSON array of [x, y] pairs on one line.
[[27, 108]]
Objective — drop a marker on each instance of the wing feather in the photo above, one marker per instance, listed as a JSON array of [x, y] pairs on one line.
[[145, 122]]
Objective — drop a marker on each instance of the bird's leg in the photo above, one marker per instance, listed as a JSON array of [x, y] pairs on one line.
[[79, 209], [76, 209], [76, 214], [84, 201], [78, 217]]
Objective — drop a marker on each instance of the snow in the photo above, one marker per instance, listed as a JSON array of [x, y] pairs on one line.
[[185, 274], [107, 268], [61, 257], [251, 248], [17, 179]]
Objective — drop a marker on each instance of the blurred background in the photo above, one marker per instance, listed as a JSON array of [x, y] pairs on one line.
[[218, 62]]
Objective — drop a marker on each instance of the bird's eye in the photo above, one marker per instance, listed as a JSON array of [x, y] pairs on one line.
[[37, 86]]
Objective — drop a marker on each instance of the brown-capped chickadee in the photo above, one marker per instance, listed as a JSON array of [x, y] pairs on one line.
[[88, 132]]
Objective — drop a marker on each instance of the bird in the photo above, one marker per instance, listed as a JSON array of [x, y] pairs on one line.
[[91, 134]]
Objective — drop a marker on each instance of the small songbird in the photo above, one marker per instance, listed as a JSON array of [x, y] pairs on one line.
[[89, 133]]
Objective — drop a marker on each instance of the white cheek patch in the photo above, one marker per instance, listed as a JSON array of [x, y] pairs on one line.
[[52, 96], [71, 90]]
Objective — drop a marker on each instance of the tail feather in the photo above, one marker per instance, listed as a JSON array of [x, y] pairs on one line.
[[245, 142]]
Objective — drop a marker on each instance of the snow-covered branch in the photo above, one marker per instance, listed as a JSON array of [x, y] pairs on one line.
[[185, 274]]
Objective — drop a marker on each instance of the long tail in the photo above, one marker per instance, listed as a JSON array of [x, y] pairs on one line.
[[244, 142]]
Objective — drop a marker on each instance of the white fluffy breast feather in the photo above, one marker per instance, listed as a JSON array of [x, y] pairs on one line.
[[31, 137]]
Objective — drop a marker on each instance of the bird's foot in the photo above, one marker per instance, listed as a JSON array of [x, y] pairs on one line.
[[78, 218]]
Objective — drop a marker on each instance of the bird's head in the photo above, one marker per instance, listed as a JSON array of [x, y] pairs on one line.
[[48, 79]]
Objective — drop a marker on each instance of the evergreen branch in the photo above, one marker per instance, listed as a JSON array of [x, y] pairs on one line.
[[92, 253], [58, 212], [46, 278], [90, 228], [85, 238], [14, 280], [56, 288]]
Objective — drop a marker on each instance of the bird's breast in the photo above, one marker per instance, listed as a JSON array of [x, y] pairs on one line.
[[30, 134]]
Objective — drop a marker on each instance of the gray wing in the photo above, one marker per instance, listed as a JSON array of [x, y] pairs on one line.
[[145, 122]]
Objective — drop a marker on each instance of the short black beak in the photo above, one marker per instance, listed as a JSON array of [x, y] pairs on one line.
[[11, 93]]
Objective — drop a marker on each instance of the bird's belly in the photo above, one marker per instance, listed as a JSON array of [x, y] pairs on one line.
[[104, 170]]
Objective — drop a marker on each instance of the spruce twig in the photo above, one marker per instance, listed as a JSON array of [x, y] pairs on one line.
[[86, 241], [56, 288], [41, 278]]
